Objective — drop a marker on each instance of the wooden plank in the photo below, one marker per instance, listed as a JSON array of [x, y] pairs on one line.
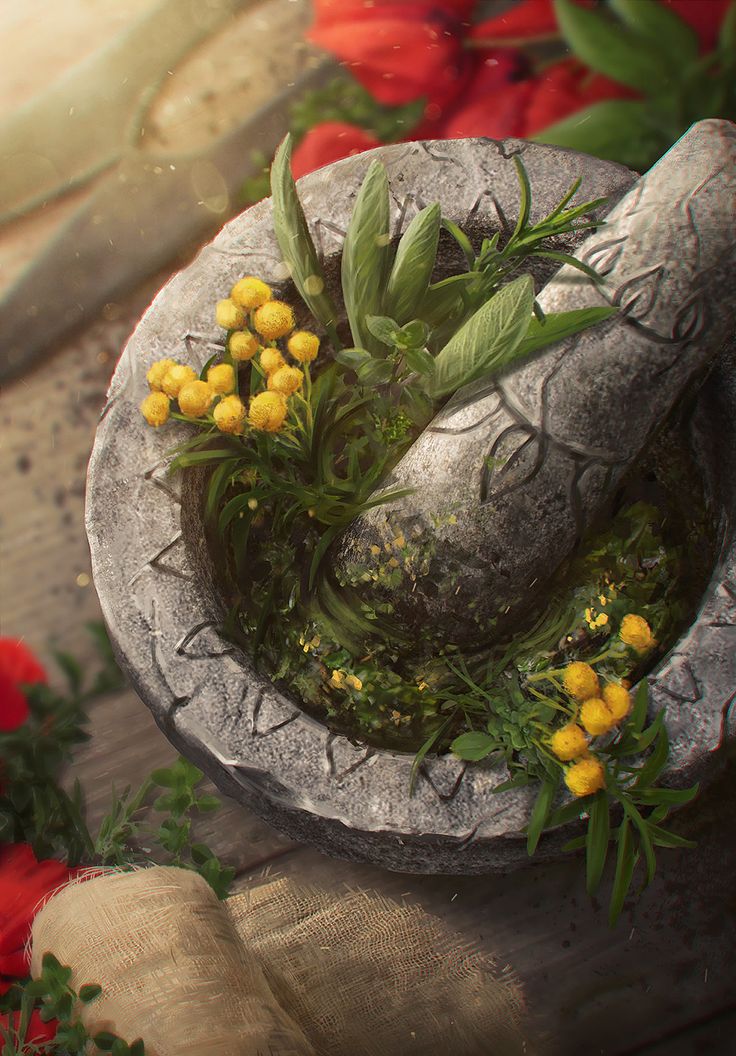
[[713, 1037], [668, 964], [126, 746]]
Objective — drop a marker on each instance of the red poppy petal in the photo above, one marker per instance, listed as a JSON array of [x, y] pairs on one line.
[[13, 705], [19, 664], [499, 115], [704, 16], [15, 964], [23, 884], [398, 60], [329, 142]]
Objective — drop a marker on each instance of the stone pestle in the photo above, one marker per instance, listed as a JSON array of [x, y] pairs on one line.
[[512, 471]]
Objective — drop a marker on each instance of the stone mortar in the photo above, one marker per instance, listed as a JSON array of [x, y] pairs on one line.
[[156, 582]]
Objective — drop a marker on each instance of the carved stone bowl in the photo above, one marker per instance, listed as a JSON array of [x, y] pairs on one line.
[[158, 587]]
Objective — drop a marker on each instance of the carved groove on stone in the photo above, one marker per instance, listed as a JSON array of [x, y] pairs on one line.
[[157, 564], [321, 226], [444, 797], [192, 340], [336, 774], [693, 693], [269, 730], [504, 475], [727, 618], [163, 481], [183, 646]]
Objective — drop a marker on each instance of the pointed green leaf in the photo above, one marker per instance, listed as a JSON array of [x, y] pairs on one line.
[[670, 37], [412, 270], [625, 862], [645, 840], [488, 341], [295, 241], [540, 814], [473, 746], [365, 255], [560, 325], [596, 842], [607, 47], [615, 130], [641, 705]]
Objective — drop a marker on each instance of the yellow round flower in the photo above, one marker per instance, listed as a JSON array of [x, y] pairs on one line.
[[157, 373], [251, 292], [175, 378], [585, 777], [274, 319], [155, 409], [229, 415], [242, 345], [228, 315], [636, 632], [580, 680], [569, 742], [195, 398], [354, 682], [271, 360], [286, 380], [596, 716], [221, 378], [267, 411], [303, 346], [338, 679], [618, 700]]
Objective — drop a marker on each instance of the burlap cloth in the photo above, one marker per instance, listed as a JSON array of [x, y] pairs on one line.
[[279, 970]]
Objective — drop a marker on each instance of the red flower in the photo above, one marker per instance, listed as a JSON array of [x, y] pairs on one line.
[[704, 16], [24, 883], [535, 19], [565, 88], [400, 50], [13, 705], [37, 1031], [330, 141], [19, 664]]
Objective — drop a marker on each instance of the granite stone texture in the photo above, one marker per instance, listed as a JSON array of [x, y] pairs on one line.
[[156, 580], [511, 473]]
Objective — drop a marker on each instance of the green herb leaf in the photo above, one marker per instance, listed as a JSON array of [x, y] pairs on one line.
[[668, 35], [375, 372], [607, 47], [474, 746], [488, 341], [540, 814], [420, 361], [353, 357], [89, 992], [412, 269], [596, 843], [365, 255], [383, 328], [615, 130], [295, 241], [625, 862], [560, 325]]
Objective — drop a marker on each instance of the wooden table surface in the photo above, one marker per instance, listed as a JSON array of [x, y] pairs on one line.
[[662, 983]]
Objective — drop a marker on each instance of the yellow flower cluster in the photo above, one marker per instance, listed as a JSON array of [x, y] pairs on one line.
[[339, 680], [255, 321], [599, 712]]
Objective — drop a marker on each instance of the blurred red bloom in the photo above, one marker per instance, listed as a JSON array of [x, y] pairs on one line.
[[534, 19], [330, 141], [400, 50], [24, 882], [19, 664], [565, 88], [18, 667], [37, 1031]]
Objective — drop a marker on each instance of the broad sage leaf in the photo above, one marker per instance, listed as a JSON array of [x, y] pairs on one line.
[[489, 339], [295, 241], [412, 268], [473, 746], [365, 256], [383, 328], [420, 361]]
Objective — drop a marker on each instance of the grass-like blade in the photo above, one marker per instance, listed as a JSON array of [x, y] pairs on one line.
[[412, 268], [625, 862], [365, 257], [664, 838], [670, 797], [641, 705], [596, 841], [295, 241], [428, 745], [645, 839], [539, 815], [559, 325], [525, 199], [489, 339], [656, 762]]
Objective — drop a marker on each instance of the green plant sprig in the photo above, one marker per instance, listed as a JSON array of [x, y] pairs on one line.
[[55, 999]]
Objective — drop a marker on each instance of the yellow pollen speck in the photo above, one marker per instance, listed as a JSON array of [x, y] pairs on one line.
[[375, 550]]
